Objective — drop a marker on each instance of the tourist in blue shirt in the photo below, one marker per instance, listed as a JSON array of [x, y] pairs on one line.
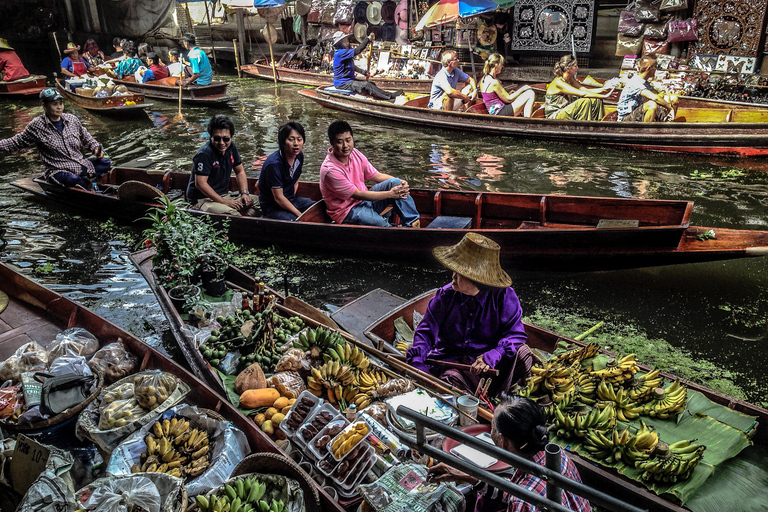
[[639, 101], [279, 179], [445, 82], [200, 68], [130, 64], [344, 69]]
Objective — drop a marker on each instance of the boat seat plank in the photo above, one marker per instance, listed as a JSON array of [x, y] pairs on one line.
[[449, 222], [358, 315], [345, 92], [316, 213]]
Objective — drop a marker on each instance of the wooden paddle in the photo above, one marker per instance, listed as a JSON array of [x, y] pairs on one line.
[[180, 116], [370, 54], [449, 364], [307, 310]]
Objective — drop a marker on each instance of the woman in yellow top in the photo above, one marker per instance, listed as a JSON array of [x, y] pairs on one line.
[[567, 98], [496, 99]]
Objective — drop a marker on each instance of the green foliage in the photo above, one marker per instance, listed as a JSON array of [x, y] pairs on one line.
[[184, 242], [45, 269], [626, 339]]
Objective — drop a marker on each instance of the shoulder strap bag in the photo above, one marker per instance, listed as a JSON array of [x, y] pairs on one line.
[[62, 392]]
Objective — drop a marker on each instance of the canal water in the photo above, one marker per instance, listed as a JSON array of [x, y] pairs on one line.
[[693, 307]]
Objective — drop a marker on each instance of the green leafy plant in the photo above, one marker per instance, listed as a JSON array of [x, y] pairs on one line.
[[182, 241]]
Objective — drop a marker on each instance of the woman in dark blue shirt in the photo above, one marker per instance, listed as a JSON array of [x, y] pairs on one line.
[[280, 174]]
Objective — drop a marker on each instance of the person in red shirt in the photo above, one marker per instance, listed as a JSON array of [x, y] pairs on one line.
[[156, 69], [11, 67]]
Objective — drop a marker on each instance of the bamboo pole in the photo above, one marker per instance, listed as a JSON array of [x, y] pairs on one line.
[[210, 32], [237, 59], [370, 55], [268, 37]]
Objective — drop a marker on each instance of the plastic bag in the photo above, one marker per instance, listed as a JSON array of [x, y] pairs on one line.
[[120, 413], [289, 384], [168, 487], [27, 358], [152, 388], [628, 25], [124, 494], [69, 364], [11, 400], [292, 360], [73, 342], [115, 362], [647, 10], [378, 411], [394, 387], [121, 392], [626, 45]]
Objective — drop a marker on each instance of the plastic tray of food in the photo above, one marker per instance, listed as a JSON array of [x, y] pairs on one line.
[[318, 446], [301, 409], [359, 475], [358, 457], [348, 439], [314, 423], [327, 466]]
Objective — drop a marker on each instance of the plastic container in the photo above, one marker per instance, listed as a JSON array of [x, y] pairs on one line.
[[327, 466], [354, 426], [316, 401], [339, 420], [301, 431], [348, 482]]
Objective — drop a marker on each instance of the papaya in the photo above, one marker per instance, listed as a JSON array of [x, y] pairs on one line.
[[255, 398], [251, 378]]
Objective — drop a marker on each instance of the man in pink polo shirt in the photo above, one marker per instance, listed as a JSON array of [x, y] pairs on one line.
[[342, 183]]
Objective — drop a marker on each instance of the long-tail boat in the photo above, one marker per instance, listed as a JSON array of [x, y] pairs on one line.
[[112, 105], [535, 231], [36, 313], [382, 333], [214, 93], [31, 85], [710, 131]]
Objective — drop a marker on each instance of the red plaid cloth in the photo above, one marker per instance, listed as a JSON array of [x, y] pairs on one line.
[[58, 151]]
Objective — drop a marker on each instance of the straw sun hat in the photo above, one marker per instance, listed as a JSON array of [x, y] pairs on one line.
[[475, 257]]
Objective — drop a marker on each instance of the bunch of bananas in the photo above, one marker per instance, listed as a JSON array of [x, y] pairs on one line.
[[371, 379], [616, 372], [667, 402], [175, 450], [672, 463], [317, 341], [402, 346], [569, 425], [641, 387], [577, 354], [334, 380], [643, 443], [554, 376], [243, 495], [626, 409], [349, 355]]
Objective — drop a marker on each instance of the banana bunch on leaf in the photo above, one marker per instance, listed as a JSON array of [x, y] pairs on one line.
[[317, 341], [579, 425], [244, 495], [348, 354], [371, 379], [641, 387], [617, 371], [672, 463], [174, 449], [578, 354], [626, 409], [667, 402]]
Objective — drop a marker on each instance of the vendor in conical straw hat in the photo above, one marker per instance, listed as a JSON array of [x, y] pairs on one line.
[[475, 320]]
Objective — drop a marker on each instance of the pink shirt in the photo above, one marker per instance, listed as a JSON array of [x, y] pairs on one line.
[[339, 181]]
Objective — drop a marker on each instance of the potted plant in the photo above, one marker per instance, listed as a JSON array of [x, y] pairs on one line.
[[183, 294], [212, 270]]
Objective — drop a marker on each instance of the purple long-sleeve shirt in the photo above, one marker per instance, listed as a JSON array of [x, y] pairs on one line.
[[457, 325]]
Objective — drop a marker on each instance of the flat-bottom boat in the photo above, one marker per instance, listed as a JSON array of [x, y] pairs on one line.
[[709, 131], [214, 93], [535, 231], [35, 313], [123, 106], [29, 86]]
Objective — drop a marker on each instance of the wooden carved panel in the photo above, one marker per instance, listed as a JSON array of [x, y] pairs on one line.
[[558, 26], [729, 27]]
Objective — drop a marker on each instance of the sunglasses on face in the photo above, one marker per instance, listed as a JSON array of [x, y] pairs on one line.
[[217, 138]]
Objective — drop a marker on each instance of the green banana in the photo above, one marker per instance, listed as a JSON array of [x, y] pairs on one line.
[[230, 491], [202, 502]]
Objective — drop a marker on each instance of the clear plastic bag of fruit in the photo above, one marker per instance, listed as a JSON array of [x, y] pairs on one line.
[[119, 413], [115, 361], [118, 495], [288, 384], [73, 342], [152, 388], [293, 360], [30, 357]]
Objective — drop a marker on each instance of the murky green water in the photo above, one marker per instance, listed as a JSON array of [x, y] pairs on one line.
[[692, 306]]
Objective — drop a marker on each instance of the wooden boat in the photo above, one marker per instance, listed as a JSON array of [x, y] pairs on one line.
[[113, 105], [382, 334], [36, 313], [535, 231], [261, 69], [710, 131], [29, 86], [214, 93]]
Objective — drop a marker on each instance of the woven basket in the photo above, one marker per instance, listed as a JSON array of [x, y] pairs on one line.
[[276, 464], [211, 414], [138, 191]]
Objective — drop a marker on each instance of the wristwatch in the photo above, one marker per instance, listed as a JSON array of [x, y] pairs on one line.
[[245, 192]]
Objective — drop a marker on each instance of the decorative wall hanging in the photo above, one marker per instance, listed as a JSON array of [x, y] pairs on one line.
[[729, 27], [554, 26]]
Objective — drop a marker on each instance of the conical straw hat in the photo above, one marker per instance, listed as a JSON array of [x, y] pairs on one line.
[[475, 257]]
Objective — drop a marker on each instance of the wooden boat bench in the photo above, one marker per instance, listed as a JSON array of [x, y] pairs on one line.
[[316, 214]]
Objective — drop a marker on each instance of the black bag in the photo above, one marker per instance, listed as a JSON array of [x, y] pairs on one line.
[[62, 392]]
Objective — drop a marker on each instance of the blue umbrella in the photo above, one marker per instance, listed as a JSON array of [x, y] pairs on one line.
[[449, 10]]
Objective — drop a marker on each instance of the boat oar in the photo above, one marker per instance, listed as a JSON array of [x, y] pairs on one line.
[[370, 55], [451, 364], [179, 116]]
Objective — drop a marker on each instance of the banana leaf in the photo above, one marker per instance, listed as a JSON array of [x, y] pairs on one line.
[[722, 439], [403, 329]]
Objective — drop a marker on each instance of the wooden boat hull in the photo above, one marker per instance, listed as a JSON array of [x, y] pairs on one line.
[[212, 94], [29, 86], [382, 334], [536, 232], [260, 69], [44, 311], [737, 139], [113, 106]]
